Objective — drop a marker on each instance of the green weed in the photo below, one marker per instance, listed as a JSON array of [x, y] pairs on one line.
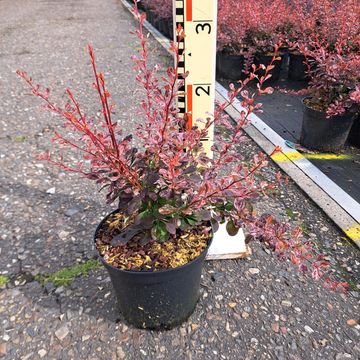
[[65, 276], [3, 280]]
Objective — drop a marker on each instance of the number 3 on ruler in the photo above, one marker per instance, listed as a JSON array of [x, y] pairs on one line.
[[205, 90], [203, 27]]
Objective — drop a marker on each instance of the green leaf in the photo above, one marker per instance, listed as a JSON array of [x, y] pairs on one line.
[[159, 232], [191, 220], [231, 228], [229, 206]]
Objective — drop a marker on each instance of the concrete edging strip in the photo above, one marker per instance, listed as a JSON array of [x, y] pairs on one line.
[[334, 201]]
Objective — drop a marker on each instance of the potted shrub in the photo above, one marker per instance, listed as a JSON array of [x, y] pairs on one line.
[[333, 101], [354, 135], [302, 22], [334, 24], [160, 15], [231, 47], [268, 22], [169, 201], [243, 39]]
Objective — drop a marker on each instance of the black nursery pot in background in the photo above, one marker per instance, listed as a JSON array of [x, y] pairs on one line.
[[297, 67], [354, 135], [166, 27], [266, 60], [141, 6], [229, 66], [153, 18], [149, 16], [324, 134], [170, 27], [157, 299]]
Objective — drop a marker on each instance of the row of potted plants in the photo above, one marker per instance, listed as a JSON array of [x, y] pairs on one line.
[[169, 201], [159, 14], [327, 35], [247, 33], [332, 101], [319, 37], [242, 39]]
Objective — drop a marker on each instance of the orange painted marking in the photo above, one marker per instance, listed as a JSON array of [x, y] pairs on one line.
[[189, 15], [189, 98]]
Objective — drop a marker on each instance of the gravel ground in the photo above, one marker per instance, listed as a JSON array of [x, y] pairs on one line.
[[256, 308]]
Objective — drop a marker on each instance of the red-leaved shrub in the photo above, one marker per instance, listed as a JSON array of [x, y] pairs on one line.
[[335, 80], [161, 8], [327, 33], [170, 184], [334, 24], [251, 26]]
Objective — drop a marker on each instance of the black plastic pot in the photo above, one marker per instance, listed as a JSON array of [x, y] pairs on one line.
[[156, 22], [165, 27], [150, 15], [230, 66], [170, 25], [157, 300], [354, 135], [297, 67], [320, 133], [162, 26], [154, 19], [140, 5], [266, 60]]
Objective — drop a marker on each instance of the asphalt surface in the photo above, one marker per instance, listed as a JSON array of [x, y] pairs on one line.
[[258, 308]]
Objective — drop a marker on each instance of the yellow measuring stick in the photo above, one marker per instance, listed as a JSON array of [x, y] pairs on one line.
[[198, 18]]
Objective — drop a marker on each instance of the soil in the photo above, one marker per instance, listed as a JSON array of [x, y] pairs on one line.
[[180, 249], [309, 102]]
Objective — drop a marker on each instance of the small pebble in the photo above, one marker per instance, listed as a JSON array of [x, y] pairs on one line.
[[51, 191], [62, 332], [254, 271], [308, 329], [42, 352], [245, 315]]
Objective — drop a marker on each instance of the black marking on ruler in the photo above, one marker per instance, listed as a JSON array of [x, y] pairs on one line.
[[180, 20]]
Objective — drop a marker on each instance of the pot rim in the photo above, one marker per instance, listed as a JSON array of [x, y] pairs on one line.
[[142, 272], [347, 116], [308, 97], [269, 54]]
